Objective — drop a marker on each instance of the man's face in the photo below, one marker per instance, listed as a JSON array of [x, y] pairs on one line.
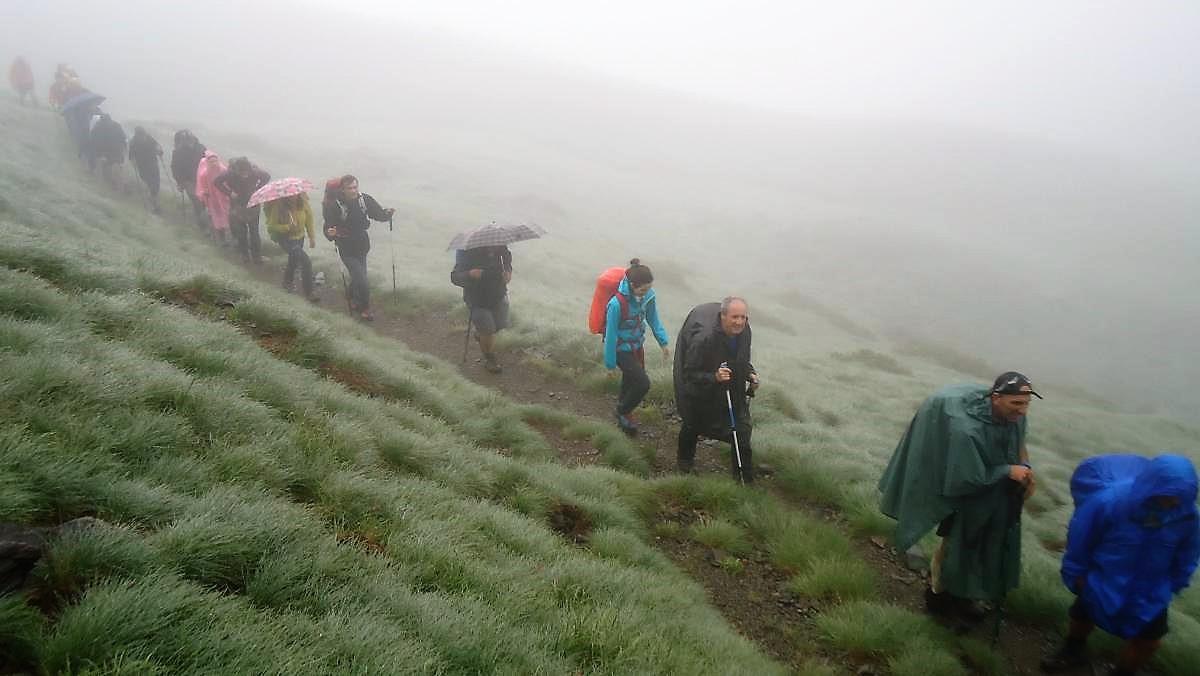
[[1010, 407], [350, 191], [734, 320]]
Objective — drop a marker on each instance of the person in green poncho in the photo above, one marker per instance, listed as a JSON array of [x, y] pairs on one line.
[[963, 468]]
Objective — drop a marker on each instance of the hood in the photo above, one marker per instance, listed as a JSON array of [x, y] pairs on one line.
[[626, 290], [1168, 476]]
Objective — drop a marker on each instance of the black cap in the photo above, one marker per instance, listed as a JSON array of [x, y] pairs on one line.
[[1011, 382]]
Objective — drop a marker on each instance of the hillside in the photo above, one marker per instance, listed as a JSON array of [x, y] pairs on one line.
[[290, 492]]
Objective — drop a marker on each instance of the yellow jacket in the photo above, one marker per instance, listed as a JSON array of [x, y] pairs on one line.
[[289, 223]]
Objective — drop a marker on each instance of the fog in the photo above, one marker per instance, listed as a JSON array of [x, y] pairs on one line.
[[1017, 182]]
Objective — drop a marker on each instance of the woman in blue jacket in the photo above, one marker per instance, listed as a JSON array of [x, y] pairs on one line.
[[630, 309], [1131, 545]]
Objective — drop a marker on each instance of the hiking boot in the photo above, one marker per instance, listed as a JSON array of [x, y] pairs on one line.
[[1068, 656], [366, 316], [939, 604], [627, 424], [491, 364]]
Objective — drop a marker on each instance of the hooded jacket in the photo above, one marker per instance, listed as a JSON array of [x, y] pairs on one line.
[[239, 188], [352, 218], [627, 334], [1130, 554], [285, 223], [184, 160], [954, 460], [214, 200]]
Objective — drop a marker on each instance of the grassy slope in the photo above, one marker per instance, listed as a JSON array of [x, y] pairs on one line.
[[272, 520], [190, 434]]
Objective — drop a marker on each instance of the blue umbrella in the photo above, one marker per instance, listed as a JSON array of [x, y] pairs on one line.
[[82, 99]]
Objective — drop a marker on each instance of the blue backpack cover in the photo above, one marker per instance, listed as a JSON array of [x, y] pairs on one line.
[[1104, 471]]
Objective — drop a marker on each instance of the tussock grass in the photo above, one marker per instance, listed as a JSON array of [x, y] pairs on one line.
[[720, 534], [21, 629], [835, 579]]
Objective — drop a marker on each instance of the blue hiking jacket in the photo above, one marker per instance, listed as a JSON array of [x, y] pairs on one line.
[[1132, 555], [628, 335]]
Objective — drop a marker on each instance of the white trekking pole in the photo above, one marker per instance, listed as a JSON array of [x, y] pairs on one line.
[[737, 449]]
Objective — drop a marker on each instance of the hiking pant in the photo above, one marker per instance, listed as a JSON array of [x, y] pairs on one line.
[[149, 175], [243, 222], [189, 187], [297, 258], [360, 292], [634, 381], [690, 433]]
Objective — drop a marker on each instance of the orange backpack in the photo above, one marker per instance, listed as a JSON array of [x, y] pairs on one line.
[[606, 287]]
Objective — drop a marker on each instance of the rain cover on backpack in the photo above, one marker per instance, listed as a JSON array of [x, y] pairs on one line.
[[1103, 471], [606, 287]]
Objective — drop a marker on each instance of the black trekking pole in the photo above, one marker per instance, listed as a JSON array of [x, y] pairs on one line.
[[467, 338], [737, 449], [392, 246]]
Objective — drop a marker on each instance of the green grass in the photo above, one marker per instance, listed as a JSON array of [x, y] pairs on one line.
[[836, 579], [248, 478]]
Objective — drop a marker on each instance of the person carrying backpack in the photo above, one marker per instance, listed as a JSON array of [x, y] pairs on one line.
[[627, 310], [484, 274], [289, 220], [144, 152], [714, 381], [107, 144], [185, 160], [238, 183], [348, 214], [20, 76], [1133, 542], [963, 468]]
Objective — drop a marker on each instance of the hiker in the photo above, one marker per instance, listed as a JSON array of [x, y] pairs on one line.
[[185, 160], [239, 182], [484, 274], [347, 215], [627, 313], [963, 468], [713, 374], [215, 201], [1133, 541], [107, 147], [289, 220], [20, 76], [145, 152]]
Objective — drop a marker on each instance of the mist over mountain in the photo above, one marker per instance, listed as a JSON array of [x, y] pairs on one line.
[[1072, 264]]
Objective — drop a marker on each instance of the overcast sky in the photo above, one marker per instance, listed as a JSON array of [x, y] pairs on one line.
[[1117, 76]]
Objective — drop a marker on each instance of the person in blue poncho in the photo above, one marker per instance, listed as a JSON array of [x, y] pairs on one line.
[[1133, 542], [630, 309]]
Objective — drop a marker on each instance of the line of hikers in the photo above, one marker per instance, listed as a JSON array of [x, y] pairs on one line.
[[962, 468]]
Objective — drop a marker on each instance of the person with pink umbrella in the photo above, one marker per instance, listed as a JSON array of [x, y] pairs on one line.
[[289, 220], [214, 200]]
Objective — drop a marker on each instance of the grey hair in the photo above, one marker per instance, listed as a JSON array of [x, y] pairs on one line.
[[730, 300]]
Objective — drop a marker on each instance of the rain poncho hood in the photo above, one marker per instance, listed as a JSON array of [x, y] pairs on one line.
[[628, 334], [1130, 554], [954, 461], [214, 200]]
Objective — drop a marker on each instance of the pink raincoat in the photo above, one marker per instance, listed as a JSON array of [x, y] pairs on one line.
[[214, 200]]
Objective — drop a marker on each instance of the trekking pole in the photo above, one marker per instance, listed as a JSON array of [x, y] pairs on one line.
[[467, 338], [392, 246], [737, 449]]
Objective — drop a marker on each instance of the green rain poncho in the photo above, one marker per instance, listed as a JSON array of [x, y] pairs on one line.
[[954, 460]]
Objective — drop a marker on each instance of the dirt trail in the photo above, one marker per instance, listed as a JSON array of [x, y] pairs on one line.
[[755, 598]]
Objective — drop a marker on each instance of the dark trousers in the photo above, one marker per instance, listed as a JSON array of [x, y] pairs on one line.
[[360, 292], [297, 259], [149, 175], [634, 381], [189, 188], [244, 224], [690, 433]]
